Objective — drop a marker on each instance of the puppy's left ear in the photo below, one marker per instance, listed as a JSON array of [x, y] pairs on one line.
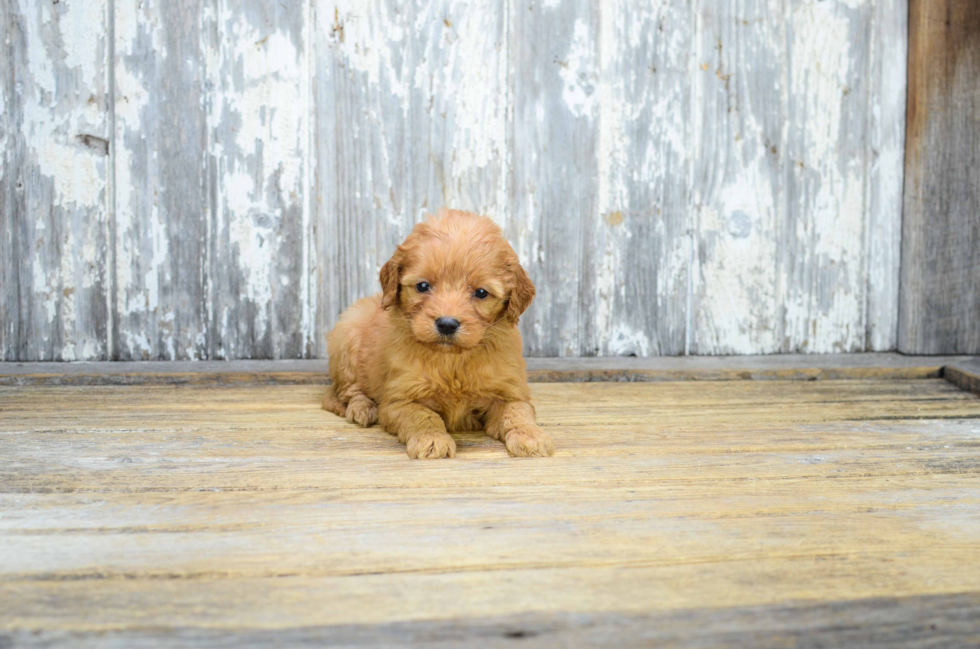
[[390, 277], [522, 293]]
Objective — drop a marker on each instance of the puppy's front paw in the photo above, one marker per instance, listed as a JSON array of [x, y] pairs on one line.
[[362, 410], [529, 442], [431, 446]]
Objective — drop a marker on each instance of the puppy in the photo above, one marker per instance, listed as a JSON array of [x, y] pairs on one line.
[[438, 351]]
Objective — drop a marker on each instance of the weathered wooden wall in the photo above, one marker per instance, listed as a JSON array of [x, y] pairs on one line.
[[218, 179], [940, 301]]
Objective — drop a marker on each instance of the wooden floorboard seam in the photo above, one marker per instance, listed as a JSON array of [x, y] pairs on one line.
[[963, 371]]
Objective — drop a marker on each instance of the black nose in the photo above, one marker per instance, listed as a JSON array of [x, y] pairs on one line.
[[447, 326]]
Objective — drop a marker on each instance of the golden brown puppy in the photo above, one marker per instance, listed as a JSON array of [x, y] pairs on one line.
[[438, 350]]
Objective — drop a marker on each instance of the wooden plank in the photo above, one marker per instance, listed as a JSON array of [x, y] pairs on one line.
[[457, 105], [785, 207], [638, 245], [940, 296], [707, 368], [162, 187], [55, 178], [908, 622], [365, 208], [737, 199], [9, 242], [627, 150], [411, 116], [135, 515], [261, 248], [965, 374], [555, 68], [827, 161], [887, 86]]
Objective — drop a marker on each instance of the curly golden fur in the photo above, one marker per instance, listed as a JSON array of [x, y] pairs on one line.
[[390, 363]]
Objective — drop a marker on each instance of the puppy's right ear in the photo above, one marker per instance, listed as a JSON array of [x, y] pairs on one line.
[[390, 277]]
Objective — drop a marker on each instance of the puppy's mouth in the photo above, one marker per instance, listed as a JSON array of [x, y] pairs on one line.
[[448, 341]]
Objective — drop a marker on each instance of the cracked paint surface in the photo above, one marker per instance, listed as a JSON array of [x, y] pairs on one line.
[[211, 179]]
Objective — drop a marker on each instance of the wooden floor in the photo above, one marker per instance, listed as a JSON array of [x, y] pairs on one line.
[[739, 513]]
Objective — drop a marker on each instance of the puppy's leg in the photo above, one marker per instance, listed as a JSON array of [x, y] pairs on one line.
[[420, 429], [512, 423], [331, 403], [361, 410]]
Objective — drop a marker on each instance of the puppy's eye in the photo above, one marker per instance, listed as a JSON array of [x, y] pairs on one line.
[[480, 293], [422, 287]]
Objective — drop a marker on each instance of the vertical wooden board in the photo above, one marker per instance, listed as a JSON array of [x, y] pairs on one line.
[[364, 206], [259, 129], [411, 116], [161, 201], [458, 107], [886, 142], [55, 175], [940, 278], [9, 248], [739, 115], [822, 260], [554, 68], [641, 239]]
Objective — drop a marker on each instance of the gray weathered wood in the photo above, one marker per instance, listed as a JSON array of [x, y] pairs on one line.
[[411, 110], [9, 242], [918, 622], [363, 192], [940, 298], [737, 189], [822, 234], [638, 244], [555, 68], [785, 172], [261, 250], [707, 178], [887, 72], [161, 182], [964, 373], [775, 367], [55, 180]]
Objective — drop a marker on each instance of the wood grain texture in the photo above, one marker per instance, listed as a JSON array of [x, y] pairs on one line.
[[162, 184], [9, 241], [887, 83], [965, 374], [940, 298], [781, 367], [146, 513], [796, 216], [639, 241], [887, 623], [554, 62], [411, 115], [55, 180], [827, 170], [738, 184], [261, 247], [714, 177]]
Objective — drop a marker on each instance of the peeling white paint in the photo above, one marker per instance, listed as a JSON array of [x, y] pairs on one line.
[[794, 248], [578, 72]]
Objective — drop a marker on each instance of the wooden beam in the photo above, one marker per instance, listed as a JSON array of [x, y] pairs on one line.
[[540, 370], [912, 622], [964, 374], [939, 310]]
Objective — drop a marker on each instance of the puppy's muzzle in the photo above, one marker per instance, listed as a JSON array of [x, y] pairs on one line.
[[447, 326]]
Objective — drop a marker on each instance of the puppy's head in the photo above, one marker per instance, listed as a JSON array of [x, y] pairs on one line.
[[453, 278]]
